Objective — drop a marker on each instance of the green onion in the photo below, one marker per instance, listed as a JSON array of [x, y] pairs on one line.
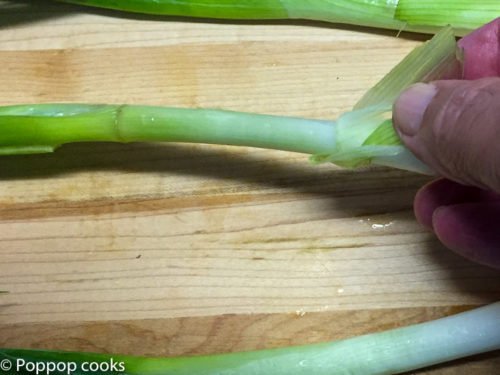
[[408, 15], [361, 137], [391, 352]]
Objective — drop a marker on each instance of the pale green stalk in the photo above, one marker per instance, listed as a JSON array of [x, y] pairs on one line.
[[391, 352], [41, 128], [410, 15], [44, 127]]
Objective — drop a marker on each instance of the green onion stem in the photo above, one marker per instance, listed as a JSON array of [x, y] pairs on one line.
[[44, 127], [390, 352], [41, 128], [409, 15]]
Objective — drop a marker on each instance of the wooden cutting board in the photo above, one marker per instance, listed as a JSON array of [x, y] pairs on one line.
[[154, 249]]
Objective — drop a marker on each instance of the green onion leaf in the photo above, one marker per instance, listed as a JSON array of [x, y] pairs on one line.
[[434, 59], [384, 135], [462, 15], [409, 15]]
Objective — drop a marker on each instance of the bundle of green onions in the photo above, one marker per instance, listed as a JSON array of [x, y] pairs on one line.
[[409, 15], [389, 352], [361, 137]]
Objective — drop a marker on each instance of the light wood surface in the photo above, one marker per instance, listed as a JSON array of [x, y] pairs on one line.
[[157, 249]]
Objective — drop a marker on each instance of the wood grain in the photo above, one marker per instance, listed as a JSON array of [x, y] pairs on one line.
[[187, 249], [231, 333], [237, 234]]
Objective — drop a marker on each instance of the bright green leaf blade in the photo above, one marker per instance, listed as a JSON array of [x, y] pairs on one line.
[[384, 135], [230, 9]]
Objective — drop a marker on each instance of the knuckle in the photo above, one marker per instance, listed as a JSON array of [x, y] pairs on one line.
[[466, 131]]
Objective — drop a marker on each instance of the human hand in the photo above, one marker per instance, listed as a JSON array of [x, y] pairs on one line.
[[454, 127]]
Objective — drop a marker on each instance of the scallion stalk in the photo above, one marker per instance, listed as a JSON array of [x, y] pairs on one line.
[[42, 127], [391, 352], [410, 15], [360, 137]]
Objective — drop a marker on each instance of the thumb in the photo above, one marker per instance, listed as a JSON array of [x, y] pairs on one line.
[[454, 127]]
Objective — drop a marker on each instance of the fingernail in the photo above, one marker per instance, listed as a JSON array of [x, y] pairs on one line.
[[410, 107]]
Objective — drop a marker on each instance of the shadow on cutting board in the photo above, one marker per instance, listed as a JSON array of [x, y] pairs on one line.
[[378, 193], [204, 161], [18, 12]]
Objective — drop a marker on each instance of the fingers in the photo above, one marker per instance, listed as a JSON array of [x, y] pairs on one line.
[[470, 229], [466, 219], [454, 127], [443, 193], [481, 52]]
